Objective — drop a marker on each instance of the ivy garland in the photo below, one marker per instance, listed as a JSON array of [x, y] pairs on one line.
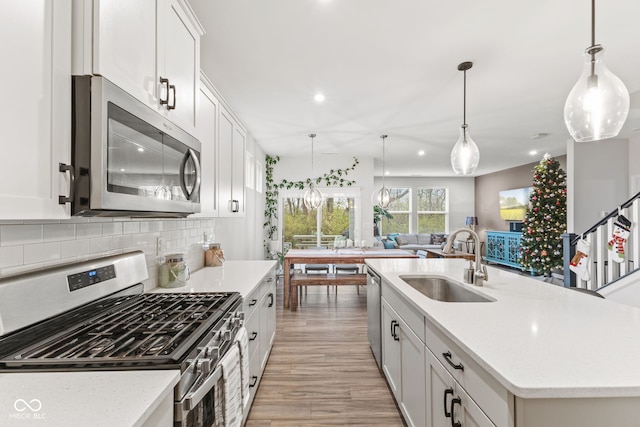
[[335, 177]]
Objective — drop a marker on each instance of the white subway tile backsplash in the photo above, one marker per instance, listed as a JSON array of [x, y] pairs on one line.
[[57, 232], [100, 244], [131, 227], [33, 245], [74, 248], [121, 242], [90, 229], [11, 256], [41, 252], [111, 228], [11, 235]]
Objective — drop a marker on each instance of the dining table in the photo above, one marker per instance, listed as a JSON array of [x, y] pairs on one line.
[[333, 256]]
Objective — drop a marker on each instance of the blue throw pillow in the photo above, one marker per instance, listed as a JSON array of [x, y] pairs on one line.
[[388, 244], [392, 236]]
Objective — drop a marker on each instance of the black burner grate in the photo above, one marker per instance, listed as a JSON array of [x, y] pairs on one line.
[[151, 328]]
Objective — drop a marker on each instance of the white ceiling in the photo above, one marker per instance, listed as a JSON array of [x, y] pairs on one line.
[[390, 66]]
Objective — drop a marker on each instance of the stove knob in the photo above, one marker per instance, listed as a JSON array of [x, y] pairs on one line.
[[226, 335], [211, 352], [240, 315], [202, 366]]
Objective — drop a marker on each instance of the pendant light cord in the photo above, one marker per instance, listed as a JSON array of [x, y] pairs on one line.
[[384, 137], [464, 100], [312, 135]]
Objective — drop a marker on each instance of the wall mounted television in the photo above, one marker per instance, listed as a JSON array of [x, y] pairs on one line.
[[513, 203]]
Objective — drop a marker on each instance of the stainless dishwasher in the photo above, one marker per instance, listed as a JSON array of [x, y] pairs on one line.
[[373, 315]]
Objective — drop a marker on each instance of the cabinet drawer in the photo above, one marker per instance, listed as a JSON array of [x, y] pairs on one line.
[[490, 395], [411, 316], [442, 410], [252, 301], [254, 373], [252, 323]]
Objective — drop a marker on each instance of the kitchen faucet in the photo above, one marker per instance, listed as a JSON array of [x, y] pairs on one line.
[[480, 271]]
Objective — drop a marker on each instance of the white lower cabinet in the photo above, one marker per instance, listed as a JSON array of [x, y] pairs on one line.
[[260, 321], [447, 402], [267, 319], [403, 362]]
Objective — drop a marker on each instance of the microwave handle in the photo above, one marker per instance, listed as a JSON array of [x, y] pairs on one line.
[[196, 186]]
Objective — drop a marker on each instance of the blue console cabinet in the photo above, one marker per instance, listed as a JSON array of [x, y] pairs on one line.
[[503, 247]]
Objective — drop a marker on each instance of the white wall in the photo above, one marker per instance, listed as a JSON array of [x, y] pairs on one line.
[[634, 166], [461, 195], [299, 168], [597, 180]]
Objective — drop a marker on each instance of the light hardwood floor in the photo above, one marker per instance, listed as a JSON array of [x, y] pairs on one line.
[[321, 371]]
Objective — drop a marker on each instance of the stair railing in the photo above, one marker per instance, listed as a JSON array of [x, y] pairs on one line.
[[600, 266]]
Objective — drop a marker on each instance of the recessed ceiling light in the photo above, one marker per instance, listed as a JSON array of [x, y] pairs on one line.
[[140, 149], [122, 170], [386, 173], [539, 135], [319, 97], [421, 153], [533, 152]]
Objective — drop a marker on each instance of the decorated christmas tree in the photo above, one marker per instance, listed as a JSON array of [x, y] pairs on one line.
[[546, 218]]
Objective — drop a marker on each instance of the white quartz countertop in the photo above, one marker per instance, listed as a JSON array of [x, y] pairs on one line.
[[537, 339], [119, 398], [232, 276]]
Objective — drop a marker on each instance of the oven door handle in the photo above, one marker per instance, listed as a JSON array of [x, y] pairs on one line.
[[193, 398]]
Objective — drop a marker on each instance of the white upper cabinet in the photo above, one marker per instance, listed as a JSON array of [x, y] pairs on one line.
[[36, 112], [206, 132], [179, 62], [231, 149], [150, 48]]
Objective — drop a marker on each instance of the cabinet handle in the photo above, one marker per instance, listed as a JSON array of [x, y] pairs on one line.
[[172, 106], [270, 300], [253, 302], [447, 357], [235, 206], [447, 392], [254, 381], [72, 183], [394, 334], [165, 83], [455, 401], [253, 336]]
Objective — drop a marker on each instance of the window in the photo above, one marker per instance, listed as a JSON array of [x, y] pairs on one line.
[[433, 212], [400, 208]]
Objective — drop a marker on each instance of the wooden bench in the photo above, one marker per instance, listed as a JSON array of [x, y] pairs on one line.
[[323, 280]]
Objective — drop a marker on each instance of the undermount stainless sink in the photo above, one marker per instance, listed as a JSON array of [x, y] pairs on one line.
[[441, 289]]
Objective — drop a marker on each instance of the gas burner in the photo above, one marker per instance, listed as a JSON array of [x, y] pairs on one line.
[[102, 345], [154, 345]]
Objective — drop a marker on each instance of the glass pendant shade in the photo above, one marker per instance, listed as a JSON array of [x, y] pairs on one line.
[[465, 155], [312, 198], [381, 197], [598, 104]]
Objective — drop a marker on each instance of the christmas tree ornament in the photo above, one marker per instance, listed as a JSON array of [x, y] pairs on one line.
[[621, 231]]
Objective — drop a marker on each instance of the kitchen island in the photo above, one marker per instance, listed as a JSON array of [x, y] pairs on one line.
[[538, 355]]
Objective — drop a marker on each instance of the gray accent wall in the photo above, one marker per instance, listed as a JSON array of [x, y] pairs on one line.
[[488, 186]]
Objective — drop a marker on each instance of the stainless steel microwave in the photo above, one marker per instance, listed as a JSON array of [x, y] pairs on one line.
[[129, 160]]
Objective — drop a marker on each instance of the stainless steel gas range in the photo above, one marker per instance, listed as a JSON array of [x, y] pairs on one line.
[[94, 316]]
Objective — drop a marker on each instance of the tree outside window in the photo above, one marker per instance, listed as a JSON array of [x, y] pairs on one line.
[[400, 208], [433, 210]]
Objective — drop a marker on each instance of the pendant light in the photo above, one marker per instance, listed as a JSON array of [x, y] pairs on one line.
[[381, 197], [312, 197], [598, 104], [465, 154]]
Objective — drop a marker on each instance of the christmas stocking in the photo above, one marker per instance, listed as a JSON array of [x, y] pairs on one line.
[[580, 262], [621, 229]]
